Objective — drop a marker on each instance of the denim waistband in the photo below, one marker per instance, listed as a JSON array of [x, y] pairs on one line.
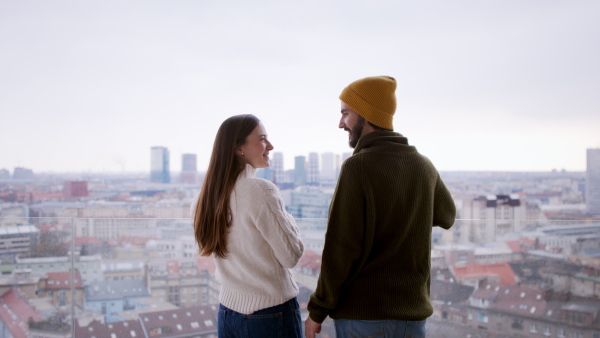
[[291, 304]]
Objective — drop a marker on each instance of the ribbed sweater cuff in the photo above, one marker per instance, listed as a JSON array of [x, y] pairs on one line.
[[247, 303], [317, 318]]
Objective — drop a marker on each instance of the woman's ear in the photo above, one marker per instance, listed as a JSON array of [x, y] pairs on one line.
[[239, 151]]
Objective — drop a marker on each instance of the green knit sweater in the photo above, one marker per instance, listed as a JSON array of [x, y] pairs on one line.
[[376, 261]]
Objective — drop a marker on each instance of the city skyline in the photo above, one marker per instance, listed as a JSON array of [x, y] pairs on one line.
[[497, 85], [289, 164]]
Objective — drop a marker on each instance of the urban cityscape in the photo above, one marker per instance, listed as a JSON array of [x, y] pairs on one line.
[[110, 110], [113, 255]]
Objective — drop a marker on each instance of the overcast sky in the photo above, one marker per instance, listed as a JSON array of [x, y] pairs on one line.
[[482, 85]]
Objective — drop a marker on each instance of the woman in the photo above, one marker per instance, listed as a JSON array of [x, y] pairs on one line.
[[242, 222]]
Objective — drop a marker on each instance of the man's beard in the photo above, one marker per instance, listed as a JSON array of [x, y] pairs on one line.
[[355, 133]]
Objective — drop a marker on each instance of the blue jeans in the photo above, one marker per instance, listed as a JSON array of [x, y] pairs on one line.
[[280, 321], [350, 328]]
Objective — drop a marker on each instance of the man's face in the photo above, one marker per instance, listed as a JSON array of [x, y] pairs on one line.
[[352, 123]]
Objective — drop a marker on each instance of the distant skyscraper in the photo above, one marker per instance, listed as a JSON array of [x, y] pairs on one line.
[[266, 173], [592, 190], [300, 171], [313, 169], [159, 165], [189, 172], [4, 174], [277, 165], [338, 164], [327, 166], [22, 173]]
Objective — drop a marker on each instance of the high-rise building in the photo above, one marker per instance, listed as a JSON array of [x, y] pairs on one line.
[[189, 172], [299, 171], [338, 165], [266, 173], [159, 165], [22, 173], [313, 169], [309, 202], [4, 174], [74, 189], [592, 190], [277, 166], [327, 167]]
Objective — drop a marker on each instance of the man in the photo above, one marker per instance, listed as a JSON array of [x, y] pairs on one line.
[[375, 270]]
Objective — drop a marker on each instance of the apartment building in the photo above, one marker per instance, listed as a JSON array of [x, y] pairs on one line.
[[180, 282], [110, 297], [90, 267], [486, 218]]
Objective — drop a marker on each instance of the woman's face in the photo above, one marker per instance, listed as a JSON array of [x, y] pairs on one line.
[[255, 151]]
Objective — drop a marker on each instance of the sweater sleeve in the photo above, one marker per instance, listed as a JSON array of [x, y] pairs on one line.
[[344, 242], [444, 210], [279, 229]]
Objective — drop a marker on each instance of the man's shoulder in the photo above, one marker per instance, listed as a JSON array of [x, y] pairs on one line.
[[353, 162]]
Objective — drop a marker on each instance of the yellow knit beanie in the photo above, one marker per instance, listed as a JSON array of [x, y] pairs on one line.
[[373, 98]]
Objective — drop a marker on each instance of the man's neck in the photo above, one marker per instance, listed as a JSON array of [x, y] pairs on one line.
[[367, 129]]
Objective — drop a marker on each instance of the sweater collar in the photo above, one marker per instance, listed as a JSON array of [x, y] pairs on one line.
[[381, 138], [248, 172]]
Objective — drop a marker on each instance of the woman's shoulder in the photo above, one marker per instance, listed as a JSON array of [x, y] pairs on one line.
[[259, 185]]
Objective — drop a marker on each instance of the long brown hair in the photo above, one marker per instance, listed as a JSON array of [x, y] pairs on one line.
[[212, 217]]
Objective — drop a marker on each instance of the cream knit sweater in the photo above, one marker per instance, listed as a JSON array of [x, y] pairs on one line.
[[263, 244]]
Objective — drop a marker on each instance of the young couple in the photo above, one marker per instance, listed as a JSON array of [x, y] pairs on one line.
[[375, 270]]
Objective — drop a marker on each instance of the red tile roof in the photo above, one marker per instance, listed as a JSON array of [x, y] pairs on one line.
[[309, 263], [62, 280], [42, 194], [521, 245], [48, 227], [521, 301], [15, 313], [187, 322], [79, 241], [129, 328], [139, 241], [483, 293], [502, 270], [310, 259]]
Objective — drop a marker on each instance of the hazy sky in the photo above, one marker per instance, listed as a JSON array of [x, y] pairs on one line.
[[482, 85]]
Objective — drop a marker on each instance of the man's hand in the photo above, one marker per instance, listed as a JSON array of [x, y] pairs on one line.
[[311, 328]]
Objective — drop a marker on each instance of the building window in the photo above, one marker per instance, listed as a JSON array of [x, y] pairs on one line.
[[533, 328], [547, 331], [482, 317], [498, 326]]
